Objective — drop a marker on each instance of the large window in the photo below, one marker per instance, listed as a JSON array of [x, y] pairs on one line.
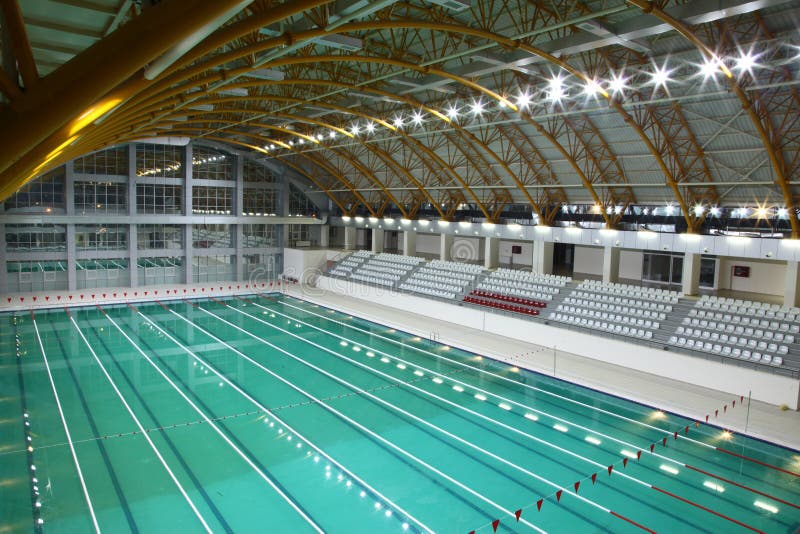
[[42, 195], [259, 268], [299, 204], [259, 202], [100, 197], [111, 162], [212, 200], [156, 198], [212, 236], [662, 269], [209, 164], [102, 273], [36, 237], [259, 235], [298, 232], [36, 275], [159, 237], [159, 271], [101, 236], [213, 268], [255, 172], [159, 160]]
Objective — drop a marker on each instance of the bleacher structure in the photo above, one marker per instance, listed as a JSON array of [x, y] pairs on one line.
[[746, 330], [741, 330]]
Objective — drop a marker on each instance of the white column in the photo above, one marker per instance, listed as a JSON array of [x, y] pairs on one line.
[[3, 267], [691, 273], [324, 236], [188, 242], [792, 292], [133, 254], [491, 252], [377, 240], [610, 264], [445, 244], [542, 257], [409, 243], [350, 237], [72, 269]]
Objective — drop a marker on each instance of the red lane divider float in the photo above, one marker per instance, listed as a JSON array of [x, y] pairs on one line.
[[495, 523]]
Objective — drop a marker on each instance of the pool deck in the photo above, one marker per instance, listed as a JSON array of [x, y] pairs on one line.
[[765, 421]]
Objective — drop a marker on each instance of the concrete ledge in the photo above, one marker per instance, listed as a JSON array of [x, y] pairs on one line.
[[765, 387]]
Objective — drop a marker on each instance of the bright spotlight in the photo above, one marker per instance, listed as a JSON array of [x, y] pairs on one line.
[[452, 112], [332, 134], [745, 62], [370, 127], [398, 122], [709, 68], [660, 76], [761, 212], [477, 108], [592, 88], [617, 83], [782, 213], [523, 100], [698, 210], [670, 209], [556, 89], [715, 211], [417, 118], [355, 129]]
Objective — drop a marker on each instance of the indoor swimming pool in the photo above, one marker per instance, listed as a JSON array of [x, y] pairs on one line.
[[266, 413]]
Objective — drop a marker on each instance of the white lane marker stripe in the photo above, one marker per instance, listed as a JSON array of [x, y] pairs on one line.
[[142, 429], [202, 414], [483, 371], [66, 428], [365, 429], [279, 420]]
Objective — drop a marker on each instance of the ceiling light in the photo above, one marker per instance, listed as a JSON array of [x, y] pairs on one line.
[[715, 211], [617, 83], [332, 135], [782, 213], [698, 210], [477, 108], [417, 118], [592, 88], [452, 112], [398, 121], [556, 89], [355, 129], [670, 209], [745, 62], [660, 76], [709, 68], [523, 99], [761, 212], [370, 127]]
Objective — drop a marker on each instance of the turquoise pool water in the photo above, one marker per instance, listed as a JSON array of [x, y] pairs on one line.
[[270, 414]]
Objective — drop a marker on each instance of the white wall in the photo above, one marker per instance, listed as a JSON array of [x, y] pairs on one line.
[[428, 243], [524, 258], [304, 264], [630, 264], [767, 277], [467, 249], [766, 387], [588, 260]]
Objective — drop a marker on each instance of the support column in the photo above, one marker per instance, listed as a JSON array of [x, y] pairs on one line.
[[410, 243], [445, 244], [350, 237], [71, 265], [3, 266], [377, 240], [791, 295], [491, 252], [324, 236], [187, 209], [610, 265], [238, 229], [542, 261], [691, 273], [133, 230], [238, 242]]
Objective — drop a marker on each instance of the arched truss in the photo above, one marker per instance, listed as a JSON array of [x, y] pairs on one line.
[[418, 56]]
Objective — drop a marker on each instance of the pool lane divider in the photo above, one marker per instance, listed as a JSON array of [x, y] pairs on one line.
[[624, 461], [206, 419], [558, 489], [270, 412], [36, 508], [138, 423], [353, 422], [66, 428], [528, 386], [500, 397]]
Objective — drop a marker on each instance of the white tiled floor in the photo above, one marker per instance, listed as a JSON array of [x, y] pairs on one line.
[[764, 421]]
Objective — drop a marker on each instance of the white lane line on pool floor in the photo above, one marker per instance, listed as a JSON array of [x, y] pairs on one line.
[[360, 426], [481, 371], [141, 427], [281, 421], [66, 427], [202, 414], [461, 384], [431, 425]]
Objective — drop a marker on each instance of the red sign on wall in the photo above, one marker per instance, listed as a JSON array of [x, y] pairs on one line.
[[741, 271]]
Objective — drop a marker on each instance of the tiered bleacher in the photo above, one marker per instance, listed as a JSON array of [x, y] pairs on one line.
[[442, 279], [350, 263], [517, 291], [382, 269], [619, 309], [746, 330]]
